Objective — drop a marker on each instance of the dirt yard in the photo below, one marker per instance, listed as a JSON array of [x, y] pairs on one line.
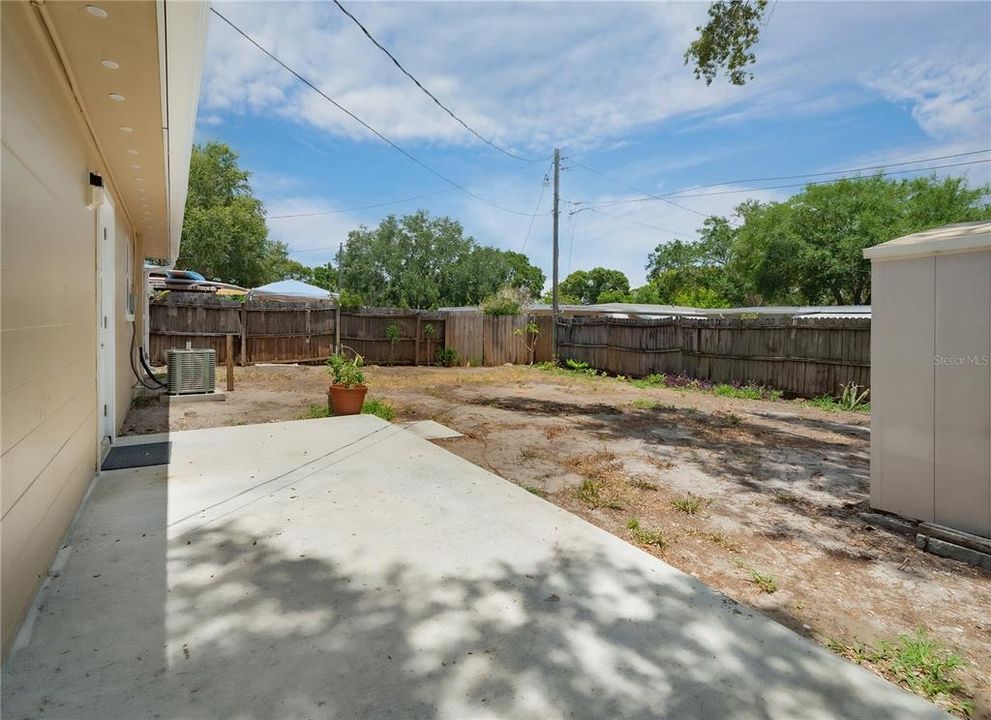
[[758, 499]]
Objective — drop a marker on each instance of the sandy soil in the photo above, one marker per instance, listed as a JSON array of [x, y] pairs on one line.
[[779, 485]]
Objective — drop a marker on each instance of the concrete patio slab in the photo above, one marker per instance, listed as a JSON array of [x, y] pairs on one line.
[[430, 430], [346, 568]]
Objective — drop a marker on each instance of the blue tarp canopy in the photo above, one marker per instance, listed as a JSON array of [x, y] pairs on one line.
[[291, 290]]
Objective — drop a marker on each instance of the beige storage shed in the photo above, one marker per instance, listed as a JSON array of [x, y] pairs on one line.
[[931, 376]]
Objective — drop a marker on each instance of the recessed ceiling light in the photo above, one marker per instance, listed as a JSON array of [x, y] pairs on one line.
[[132, 151], [96, 11], [125, 128], [135, 167], [110, 64], [117, 96], [137, 179]]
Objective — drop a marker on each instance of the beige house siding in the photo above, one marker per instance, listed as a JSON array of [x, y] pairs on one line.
[[48, 404]]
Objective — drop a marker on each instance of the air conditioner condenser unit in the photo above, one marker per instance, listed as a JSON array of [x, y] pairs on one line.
[[192, 371]]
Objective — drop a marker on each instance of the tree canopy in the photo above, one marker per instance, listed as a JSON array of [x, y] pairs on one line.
[[598, 285], [807, 249], [224, 235], [726, 41], [419, 261]]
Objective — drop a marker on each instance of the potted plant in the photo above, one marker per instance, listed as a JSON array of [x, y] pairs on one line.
[[346, 394]]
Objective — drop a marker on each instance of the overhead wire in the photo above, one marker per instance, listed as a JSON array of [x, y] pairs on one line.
[[427, 92], [633, 187], [359, 207], [361, 122], [536, 209], [682, 194]]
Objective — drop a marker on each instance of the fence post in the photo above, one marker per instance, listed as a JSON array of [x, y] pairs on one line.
[[244, 333], [229, 359], [416, 361]]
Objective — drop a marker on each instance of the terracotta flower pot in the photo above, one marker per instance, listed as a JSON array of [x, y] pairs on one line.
[[346, 401]]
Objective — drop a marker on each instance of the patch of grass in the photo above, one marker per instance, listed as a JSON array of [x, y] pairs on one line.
[[732, 419], [923, 665], [378, 408], [689, 504], [643, 536], [641, 483], [589, 493], [315, 411], [535, 490], [655, 380], [765, 582], [747, 391], [831, 404]]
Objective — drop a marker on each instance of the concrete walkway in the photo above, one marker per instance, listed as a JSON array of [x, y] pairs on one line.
[[346, 568]]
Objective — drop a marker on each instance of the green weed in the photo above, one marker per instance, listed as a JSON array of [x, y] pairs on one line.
[[917, 662], [766, 583], [689, 504], [646, 537]]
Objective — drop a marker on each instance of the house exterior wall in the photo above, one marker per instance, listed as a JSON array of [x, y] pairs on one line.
[[931, 388], [49, 423]]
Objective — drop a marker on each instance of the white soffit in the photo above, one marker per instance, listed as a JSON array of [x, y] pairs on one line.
[[182, 42]]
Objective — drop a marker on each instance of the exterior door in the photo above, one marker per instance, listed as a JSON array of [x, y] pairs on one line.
[[106, 267]]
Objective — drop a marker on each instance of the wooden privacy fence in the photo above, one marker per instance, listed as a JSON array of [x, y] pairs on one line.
[[275, 331], [805, 357], [493, 340]]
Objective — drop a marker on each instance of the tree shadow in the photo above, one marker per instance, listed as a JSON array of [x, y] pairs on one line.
[[454, 597]]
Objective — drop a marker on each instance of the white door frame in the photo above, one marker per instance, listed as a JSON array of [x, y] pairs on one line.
[[106, 307]]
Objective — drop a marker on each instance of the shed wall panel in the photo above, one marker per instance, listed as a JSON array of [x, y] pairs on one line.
[[963, 392], [902, 387]]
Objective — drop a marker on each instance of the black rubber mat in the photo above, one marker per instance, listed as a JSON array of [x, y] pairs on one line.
[[133, 456]]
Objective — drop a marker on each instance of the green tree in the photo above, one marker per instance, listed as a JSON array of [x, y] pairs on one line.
[[224, 235], [726, 41], [696, 273], [810, 248], [419, 261], [807, 249], [588, 287]]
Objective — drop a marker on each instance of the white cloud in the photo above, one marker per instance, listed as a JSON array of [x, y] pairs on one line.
[[948, 92], [313, 238]]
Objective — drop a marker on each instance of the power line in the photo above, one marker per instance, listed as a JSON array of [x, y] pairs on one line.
[[536, 209], [571, 240], [429, 94], [683, 194], [639, 190], [364, 124], [637, 222], [359, 207], [844, 172]]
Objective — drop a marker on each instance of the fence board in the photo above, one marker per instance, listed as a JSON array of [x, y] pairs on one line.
[[803, 357], [287, 331]]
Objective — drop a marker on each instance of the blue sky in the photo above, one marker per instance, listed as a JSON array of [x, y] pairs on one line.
[[838, 85]]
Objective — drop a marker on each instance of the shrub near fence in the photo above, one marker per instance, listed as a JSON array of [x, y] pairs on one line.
[[806, 357]]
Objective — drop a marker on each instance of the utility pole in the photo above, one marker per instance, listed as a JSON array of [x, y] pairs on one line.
[[555, 310], [337, 324]]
